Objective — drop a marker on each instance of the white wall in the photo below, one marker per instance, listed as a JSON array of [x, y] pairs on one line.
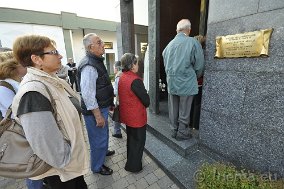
[[10, 31], [78, 48], [140, 8]]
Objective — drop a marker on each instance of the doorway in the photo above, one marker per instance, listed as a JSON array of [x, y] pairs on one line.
[[109, 62], [170, 13]]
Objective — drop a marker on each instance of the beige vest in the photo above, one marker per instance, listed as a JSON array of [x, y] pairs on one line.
[[67, 113]]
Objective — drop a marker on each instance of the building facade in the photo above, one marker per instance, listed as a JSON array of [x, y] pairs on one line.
[[67, 29]]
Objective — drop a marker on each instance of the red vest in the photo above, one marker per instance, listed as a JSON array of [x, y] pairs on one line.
[[131, 110]]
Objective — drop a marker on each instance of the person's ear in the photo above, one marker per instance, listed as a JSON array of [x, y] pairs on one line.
[[36, 60]]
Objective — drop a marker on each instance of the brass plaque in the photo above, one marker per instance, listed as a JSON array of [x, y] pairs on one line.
[[249, 44], [108, 45]]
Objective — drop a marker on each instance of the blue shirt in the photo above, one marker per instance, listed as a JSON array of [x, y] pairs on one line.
[[89, 76]]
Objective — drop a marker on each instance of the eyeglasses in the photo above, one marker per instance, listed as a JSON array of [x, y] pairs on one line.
[[100, 42], [53, 52]]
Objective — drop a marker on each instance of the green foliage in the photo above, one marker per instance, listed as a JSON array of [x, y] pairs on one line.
[[111, 77], [221, 176]]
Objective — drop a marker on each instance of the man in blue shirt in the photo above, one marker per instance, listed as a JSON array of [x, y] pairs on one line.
[[184, 63]]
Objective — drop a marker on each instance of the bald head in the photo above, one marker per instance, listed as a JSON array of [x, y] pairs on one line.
[[184, 26]]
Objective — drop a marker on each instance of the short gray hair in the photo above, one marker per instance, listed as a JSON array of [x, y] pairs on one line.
[[183, 24], [127, 61], [87, 41]]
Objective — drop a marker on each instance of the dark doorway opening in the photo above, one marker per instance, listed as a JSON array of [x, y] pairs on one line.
[[170, 13]]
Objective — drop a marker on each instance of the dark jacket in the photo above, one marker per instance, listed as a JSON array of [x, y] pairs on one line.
[[104, 89], [72, 73]]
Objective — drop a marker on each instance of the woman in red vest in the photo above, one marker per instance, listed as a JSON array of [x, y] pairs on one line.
[[133, 101]]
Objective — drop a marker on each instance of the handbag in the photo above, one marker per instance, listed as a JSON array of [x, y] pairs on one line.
[[17, 159], [115, 115]]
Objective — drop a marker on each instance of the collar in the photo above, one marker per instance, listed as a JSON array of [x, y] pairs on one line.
[[181, 34], [52, 79], [95, 57], [41, 75], [130, 73]]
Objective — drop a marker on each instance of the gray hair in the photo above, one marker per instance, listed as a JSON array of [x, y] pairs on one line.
[[128, 60], [183, 24], [87, 40], [117, 65]]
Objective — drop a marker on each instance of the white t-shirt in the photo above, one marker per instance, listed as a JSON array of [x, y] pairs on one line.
[[6, 95]]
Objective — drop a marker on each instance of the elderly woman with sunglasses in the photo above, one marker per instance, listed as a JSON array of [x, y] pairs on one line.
[[64, 149]]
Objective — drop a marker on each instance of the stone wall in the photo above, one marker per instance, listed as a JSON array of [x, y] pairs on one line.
[[242, 116]]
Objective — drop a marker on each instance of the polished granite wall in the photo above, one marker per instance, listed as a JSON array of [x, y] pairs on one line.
[[242, 116]]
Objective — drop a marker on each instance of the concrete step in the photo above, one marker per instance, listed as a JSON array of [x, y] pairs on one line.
[[182, 170], [159, 127], [179, 159]]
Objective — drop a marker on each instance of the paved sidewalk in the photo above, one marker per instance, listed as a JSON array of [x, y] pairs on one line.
[[152, 177]]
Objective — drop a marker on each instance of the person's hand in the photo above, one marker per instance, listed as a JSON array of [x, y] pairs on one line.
[[99, 117], [100, 121]]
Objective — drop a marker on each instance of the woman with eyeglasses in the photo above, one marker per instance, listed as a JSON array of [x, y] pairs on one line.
[[133, 101], [64, 149]]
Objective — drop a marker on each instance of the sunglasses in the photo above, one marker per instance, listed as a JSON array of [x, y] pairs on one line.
[[54, 52]]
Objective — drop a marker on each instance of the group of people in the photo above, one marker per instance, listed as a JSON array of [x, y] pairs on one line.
[[97, 98], [69, 74], [61, 144]]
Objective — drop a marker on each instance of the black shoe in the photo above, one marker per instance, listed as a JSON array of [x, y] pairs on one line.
[[180, 137], [105, 170], [110, 152], [117, 135], [133, 171], [174, 134]]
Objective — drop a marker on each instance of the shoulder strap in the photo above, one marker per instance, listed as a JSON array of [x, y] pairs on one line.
[[9, 110], [7, 85], [8, 114], [52, 101], [54, 112], [49, 93]]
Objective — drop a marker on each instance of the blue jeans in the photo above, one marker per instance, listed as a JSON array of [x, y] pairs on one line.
[[116, 128], [98, 139], [34, 184]]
